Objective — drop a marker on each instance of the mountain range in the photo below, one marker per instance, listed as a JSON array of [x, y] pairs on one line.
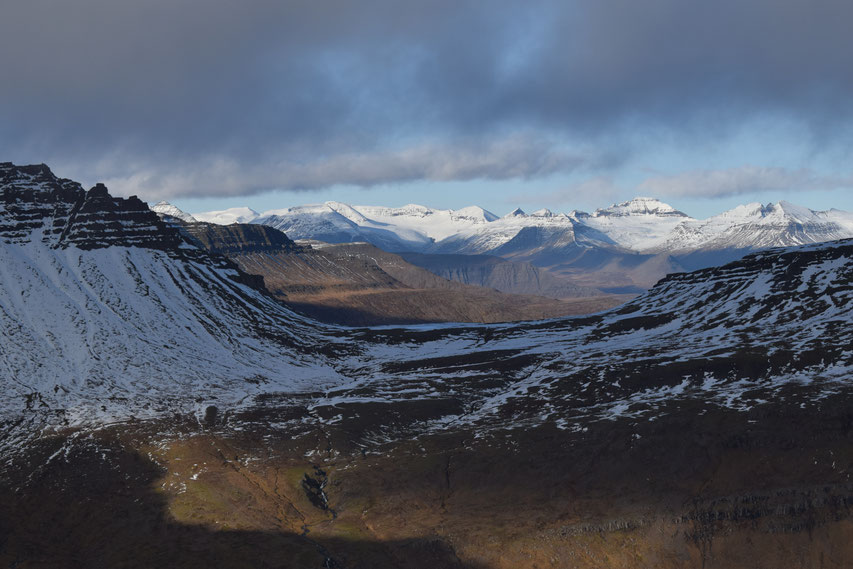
[[359, 284], [627, 246], [162, 408]]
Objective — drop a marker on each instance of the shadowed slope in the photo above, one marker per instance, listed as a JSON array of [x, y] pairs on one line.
[[359, 284]]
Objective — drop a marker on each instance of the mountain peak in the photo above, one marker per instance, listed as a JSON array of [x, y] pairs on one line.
[[166, 210], [517, 212], [474, 212], [640, 206], [347, 211], [544, 212], [796, 212], [35, 205], [778, 211]]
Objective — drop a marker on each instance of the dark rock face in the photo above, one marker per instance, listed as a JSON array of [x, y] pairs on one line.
[[35, 201], [239, 238], [32, 195]]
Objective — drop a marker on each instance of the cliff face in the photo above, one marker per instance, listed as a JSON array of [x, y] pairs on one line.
[[239, 238], [35, 200]]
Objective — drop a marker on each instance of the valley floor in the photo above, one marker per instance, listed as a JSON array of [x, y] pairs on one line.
[[286, 485], [412, 306]]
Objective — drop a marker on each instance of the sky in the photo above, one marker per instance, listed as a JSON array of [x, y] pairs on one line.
[[565, 104]]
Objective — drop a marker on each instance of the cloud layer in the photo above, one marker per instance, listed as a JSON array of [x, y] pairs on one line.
[[517, 157], [740, 180], [188, 97]]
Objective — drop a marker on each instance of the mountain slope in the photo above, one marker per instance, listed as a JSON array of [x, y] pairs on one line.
[[105, 311], [719, 333], [334, 222], [359, 284], [238, 238], [705, 424], [637, 225], [497, 273], [756, 226], [112, 270]]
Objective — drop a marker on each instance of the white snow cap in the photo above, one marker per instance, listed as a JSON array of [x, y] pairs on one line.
[[474, 213], [640, 206], [165, 208], [643, 224], [228, 216]]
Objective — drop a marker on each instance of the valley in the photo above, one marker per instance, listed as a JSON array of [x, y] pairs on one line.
[[358, 284], [163, 407]]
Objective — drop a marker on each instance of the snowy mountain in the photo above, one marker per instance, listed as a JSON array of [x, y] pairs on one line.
[[595, 250], [228, 216], [104, 301], [105, 311], [642, 225], [636, 225], [408, 228], [167, 211], [757, 226], [631, 226], [334, 222], [434, 224], [625, 245], [732, 335]]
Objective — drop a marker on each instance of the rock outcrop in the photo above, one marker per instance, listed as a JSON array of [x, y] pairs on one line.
[[34, 200]]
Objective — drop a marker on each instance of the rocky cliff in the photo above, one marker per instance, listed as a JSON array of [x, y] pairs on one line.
[[34, 200]]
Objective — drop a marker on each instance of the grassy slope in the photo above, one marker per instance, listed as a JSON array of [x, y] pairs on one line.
[[765, 489]]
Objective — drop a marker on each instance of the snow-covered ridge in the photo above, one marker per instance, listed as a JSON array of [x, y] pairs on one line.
[[757, 226], [166, 210], [228, 216], [641, 225], [639, 206], [736, 336], [121, 331]]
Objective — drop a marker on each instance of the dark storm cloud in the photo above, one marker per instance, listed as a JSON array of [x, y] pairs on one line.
[[183, 96], [516, 157]]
